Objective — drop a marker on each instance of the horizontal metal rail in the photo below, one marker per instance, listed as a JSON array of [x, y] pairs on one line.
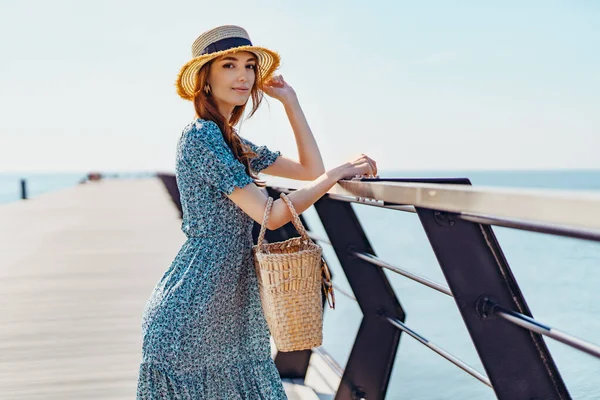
[[504, 222], [380, 263], [417, 278], [373, 203], [318, 238], [460, 364], [533, 227], [398, 207], [336, 287], [354, 199], [568, 210], [535, 326], [523, 225], [344, 292], [329, 360], [483, 219]]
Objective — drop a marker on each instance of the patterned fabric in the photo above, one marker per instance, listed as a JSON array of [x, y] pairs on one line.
[[204, 333]]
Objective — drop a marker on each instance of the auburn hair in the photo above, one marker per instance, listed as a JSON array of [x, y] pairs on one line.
[[207, 109]]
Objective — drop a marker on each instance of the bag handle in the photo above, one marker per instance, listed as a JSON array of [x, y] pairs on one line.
[[263, 227], [296, 219], [327, 284]]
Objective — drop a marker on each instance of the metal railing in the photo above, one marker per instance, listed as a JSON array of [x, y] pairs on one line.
[[459, 217]]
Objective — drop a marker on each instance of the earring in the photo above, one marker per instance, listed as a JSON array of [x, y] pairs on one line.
[[206, 89]]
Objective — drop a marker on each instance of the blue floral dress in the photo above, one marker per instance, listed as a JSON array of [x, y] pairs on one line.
[[204, 333]]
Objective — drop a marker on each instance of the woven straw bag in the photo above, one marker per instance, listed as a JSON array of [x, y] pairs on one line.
[[290, 277]]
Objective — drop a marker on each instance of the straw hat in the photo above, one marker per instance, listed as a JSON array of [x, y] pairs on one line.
[[216, 42]]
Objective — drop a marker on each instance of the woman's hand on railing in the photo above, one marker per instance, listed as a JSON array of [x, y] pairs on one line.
[[253, 201], [363, 166]]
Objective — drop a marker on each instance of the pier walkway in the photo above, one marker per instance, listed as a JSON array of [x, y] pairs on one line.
[[76, 268]]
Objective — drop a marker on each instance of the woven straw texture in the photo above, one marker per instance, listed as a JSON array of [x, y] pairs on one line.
[[290, 278], [268, 60]]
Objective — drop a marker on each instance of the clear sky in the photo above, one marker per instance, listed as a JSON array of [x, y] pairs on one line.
[[88, 85]]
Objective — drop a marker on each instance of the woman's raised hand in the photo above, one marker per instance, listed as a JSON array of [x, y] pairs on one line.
[[278, 88]]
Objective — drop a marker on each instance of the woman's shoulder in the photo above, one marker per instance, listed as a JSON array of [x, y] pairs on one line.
[[203, 139], [201, 132], [201, 127]]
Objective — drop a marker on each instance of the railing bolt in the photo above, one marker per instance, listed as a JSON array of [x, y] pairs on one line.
[[351, 250], [485, 307], [358, 393], [382, 312], [444, 218]]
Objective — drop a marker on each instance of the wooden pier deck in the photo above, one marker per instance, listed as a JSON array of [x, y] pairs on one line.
[[76, 268]]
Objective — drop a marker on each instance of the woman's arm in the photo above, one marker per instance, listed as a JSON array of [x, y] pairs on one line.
[[253, 201], [310, 165]]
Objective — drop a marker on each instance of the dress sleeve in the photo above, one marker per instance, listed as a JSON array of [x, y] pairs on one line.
[[211, 160], [265, 156]]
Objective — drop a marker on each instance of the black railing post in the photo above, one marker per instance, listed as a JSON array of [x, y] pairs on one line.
[[23, 189], [170, 182], [369, 366], [517, 361]]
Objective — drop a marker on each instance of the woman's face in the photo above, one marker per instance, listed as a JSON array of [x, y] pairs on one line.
[[231, 79]]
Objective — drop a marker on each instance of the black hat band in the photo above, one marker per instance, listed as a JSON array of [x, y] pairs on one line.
[[225, 44]]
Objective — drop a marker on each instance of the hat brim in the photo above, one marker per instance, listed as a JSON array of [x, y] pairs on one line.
[[268, 62]]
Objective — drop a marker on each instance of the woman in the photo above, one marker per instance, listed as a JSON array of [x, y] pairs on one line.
[[204, 333]]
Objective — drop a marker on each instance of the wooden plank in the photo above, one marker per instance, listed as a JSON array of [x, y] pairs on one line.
[[76, 268]]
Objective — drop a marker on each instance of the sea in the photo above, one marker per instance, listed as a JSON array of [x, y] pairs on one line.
[[559, 277]]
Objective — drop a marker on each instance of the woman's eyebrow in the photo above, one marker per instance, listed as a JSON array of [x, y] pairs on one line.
[[230, 58]]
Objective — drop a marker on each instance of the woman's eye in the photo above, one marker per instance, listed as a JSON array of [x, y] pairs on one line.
[[230, 65]]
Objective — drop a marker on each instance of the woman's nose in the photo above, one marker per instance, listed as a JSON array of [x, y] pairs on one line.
[[246, 75]]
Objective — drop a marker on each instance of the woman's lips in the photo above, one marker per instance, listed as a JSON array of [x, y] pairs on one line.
[[241, 90]]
